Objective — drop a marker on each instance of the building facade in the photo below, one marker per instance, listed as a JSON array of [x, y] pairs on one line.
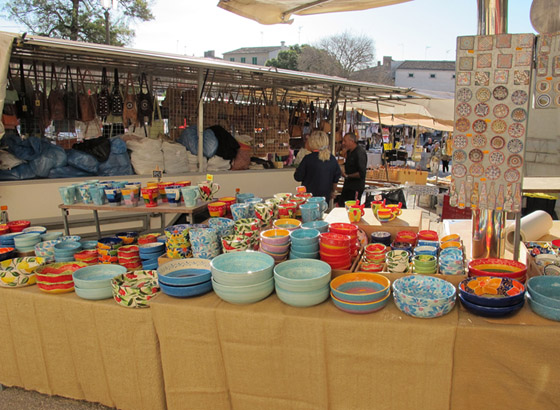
[[426, 75], [254, 55]]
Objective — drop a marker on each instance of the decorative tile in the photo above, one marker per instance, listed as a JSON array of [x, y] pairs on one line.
[[482, 78], [464, 94], [543, 101], [464, 78], [503, 41], [542, 65], [543, 86], [556, 66], [484, 60], [544, 41], [523, 58], [466, 63], [521, 77], [504, 60], [466, 43], [501, 76], [485, 43], [525, 40]]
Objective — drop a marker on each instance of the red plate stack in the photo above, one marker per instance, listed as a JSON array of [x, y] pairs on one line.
[[129, 257], [88, 256], [335, 249], [407, 236], [350, 230]]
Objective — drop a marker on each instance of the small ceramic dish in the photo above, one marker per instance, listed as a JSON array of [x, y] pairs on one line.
[[489, 311], [97, 276], [492, 291], [135, 289], [19, 272], [359, 287], [184, 272], [504, 268]]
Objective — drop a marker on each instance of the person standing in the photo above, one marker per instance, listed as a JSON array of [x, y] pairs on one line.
[[319, 171], [354, 172], [446, 154]]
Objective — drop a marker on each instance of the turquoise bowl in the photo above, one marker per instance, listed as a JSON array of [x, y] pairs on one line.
[[184, 272], [302, 299], [74, 238], [35, 229], [49, 236], [242, 268], [304, 236], [243, 294], [360, 308], [302, 275], [94, 293], [545, 290], [304, 255], [97, 276], [321, 226], [424, 296], [310, 247], [89, 245], [543, 310]]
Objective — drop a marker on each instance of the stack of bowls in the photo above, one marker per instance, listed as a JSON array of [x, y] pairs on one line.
[[128, 238], [427, 235], [289, 224], [205, 243], [242, 277], [7, 253], [451, 262], [94, 282], [491, 296], [381, 237], [129, 257], [451, 238], [302, 282], [402, 246], [374, 257], [305, 244], [235, 243], [150, 253], [4, 229], [321, 226], [250, 228], [107, 249], [350, 230], [18, 226], [185, 278], [57, 277], [19, 272], [503, 268], [7, 240], [64, 251], [135, 289], [334, 249], [177, 244], [426, 250], [424, 296], [88, 256], [543, 294], [74, 238], [276, 243], [26, 241], [222, 226], [397, 261], [407, 236], [89, 245], [49, 236], [147, 238], [35, 229], [424, 264], [45, 250], [551, 270], [360, 292]]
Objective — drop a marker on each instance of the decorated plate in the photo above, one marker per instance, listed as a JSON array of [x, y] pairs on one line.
[[493, 172], [479, 141], [514, 161], [519, 97], [481, 109], [464, 110], [462, 124], [476, 155], [483, 94], [497, 142], [460, 141], [543, 100], [519, 115], [497, 158], [464, 94], [557, 100], [512, 175], [557, 86], [515, 146], [459, 156], [459, 170], [500, 93], [476, 170], [500, 111], [543, 86], [499, 126], [479, 126], [516, 130]]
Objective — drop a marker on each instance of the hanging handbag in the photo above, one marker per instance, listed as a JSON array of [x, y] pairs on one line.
[[9, 112], [103, 109], [70, 97], [56, 98], [130, 110], [85, 99], [145, 105], [116, 97], [24, 107], [156, 129], [11, 92]]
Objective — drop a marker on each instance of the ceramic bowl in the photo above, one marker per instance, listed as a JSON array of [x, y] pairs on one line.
[[18, 226], [336, 260], [425, 250], [243, 294], [545, 259], [304, 255], [504, 268], [19, 272], [57, 277], [278, 257], [424, 261], [128, 238], [308, 248], [490, 311], [94, 293], [453, 237], [151, 249], [185, 272], [492, 291], [360, 287], [330, 239], [275, 236], [304, 236], [73, 238], [343, 228], [109, 243], [423, 296], [35, 229], [242, 268], [334, 252], [289, 224], [235, 243], [371, 267], [65, 248], [375, 248], [302, 274], [551, 270], [451, 244], [545, 290], [135, 289], [27, 239], [302, 298], [274, 249], [96, 276], [543, 310], [360, 308], [321, 226], [186, 291], [49, 236], [427, 235]]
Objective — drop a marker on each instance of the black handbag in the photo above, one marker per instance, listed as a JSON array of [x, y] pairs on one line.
[[116, 97], [70, 97], [145, 104], [103, 109]]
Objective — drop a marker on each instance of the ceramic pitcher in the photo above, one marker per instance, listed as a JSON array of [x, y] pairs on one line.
[[207, 190]]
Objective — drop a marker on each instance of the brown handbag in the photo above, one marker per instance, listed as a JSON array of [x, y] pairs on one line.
[[85, 99], [130, 110], [56, 98], [70, 97], [145, 103]]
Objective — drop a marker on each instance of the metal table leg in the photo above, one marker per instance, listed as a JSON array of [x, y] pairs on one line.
[[97, 228], [65, 221], [162, 219]]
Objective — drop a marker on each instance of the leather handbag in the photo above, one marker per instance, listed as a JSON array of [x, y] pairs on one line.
[[157, 126], [70, 97], [116, 97], [130, 110], [39, 102], [85, 99], [24, 107], [103, 108], [145, 105], [56, 98]]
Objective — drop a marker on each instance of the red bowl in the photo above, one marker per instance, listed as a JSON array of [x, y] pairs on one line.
[[56, 287], [503, 268], [335, 259], [339, 251], [343, 228], [407, 236], [51, 279], [335, 239], [86, 255], [4, 229], [340, 266], [428, 235], [18, 226]]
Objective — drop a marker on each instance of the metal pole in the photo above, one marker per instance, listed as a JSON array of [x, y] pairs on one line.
[[107, 35], [333, 120], [492, 17], [200, 123]]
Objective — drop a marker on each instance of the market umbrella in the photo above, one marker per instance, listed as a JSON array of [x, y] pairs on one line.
[[275, 12]]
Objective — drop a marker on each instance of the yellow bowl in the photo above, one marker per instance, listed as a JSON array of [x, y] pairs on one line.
[[287, 223], [453, 237], [451, 244]]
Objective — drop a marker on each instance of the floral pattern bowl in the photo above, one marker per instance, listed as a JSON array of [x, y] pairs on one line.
[[492, 291], [19, 272], [424, 296], [135, 289]]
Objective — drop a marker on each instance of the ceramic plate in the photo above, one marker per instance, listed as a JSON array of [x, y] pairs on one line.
[[479, 141], [512, 175], [519, 97], [476, 155], [515, 146], [515, 161], [464, 110], [493, 172], [543, 86], [500, 111], [499, 126], [483, 95], [543, 100], [479, 126], [476, 170], [459, 156], [459, 171], [497, 158], [519, 115], [464, 94], [516, 130], [460, 142], [481, 109], [462, 124], [497, 142], [500, 93]]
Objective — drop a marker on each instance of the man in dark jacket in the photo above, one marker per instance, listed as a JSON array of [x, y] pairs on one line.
[[354, 172]]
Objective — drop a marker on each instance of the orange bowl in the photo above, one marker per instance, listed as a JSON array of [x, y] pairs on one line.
[[504, 268]]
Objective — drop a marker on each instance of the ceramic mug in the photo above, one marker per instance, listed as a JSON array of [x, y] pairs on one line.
[[354, 214], [68, 194], [161, 187], [287, 210], [264, 213], [396, 209], [348, 204], [190, 194], [207, 190], [150, 196], [217, 209], [319, 200], [85, 193], [310, 212], [173, 195], [375, 205], [240, 211], [114, 196]]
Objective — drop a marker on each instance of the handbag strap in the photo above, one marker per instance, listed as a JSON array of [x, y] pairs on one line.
[[144, 81], [129, 83], [22, 76], [69, 76], [116, 86], [54, 78], [37, 84], [80, 81], [104, 80], [44, 77]]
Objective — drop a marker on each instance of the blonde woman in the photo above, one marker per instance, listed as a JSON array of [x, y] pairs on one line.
[[319, 171]]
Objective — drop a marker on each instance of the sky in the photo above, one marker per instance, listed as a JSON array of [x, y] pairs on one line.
[[416, 30]]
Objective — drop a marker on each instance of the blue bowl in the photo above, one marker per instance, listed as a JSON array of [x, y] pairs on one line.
[[74, 238], [111, 242], [97, 276], [186, 291], [487, 311], [94, 293], [242, 268], [302, 298], [35, 229], [49, 236], [150, 248], [309, 248], [304, 236], [545, 290], [302, 274], [424, 296], [185, 272], [243, 294], [67, 247], [150, 266], [509, 292], [89, 245], [543, 310], [321, 226], [8, 239], [303, 255], [360, 308]]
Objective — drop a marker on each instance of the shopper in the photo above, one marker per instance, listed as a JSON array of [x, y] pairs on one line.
[[319, 171], [435, 158], [446, 154], [354, 171]]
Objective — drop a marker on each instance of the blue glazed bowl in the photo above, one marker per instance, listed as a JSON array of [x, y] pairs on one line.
[[492, 291], [488, 311], [97, 276], [89, 245], [301, 275], [8, 238], [27, 239], [360, 287], [186, 291], [424, 296], [321, 226], [49, 236], [242, 268], [150, 248], [150, 265], [35, 229], [185, 272], [243, 294], [543, 310], [545, 290], [110, 242], [94, 293], [67, 247], [303, 255], [309, 248], [302, 298], [360, 308], [74, 238], [304, 236]]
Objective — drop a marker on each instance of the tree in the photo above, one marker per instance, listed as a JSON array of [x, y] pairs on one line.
[[316, 60], [287, 59], [352, 52], [82, 20]]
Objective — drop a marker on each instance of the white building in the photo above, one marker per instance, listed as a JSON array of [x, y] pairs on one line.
[[254, 55], [426, 75]]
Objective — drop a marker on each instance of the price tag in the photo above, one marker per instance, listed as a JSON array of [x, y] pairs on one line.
[[209, 177], [157, 173]]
